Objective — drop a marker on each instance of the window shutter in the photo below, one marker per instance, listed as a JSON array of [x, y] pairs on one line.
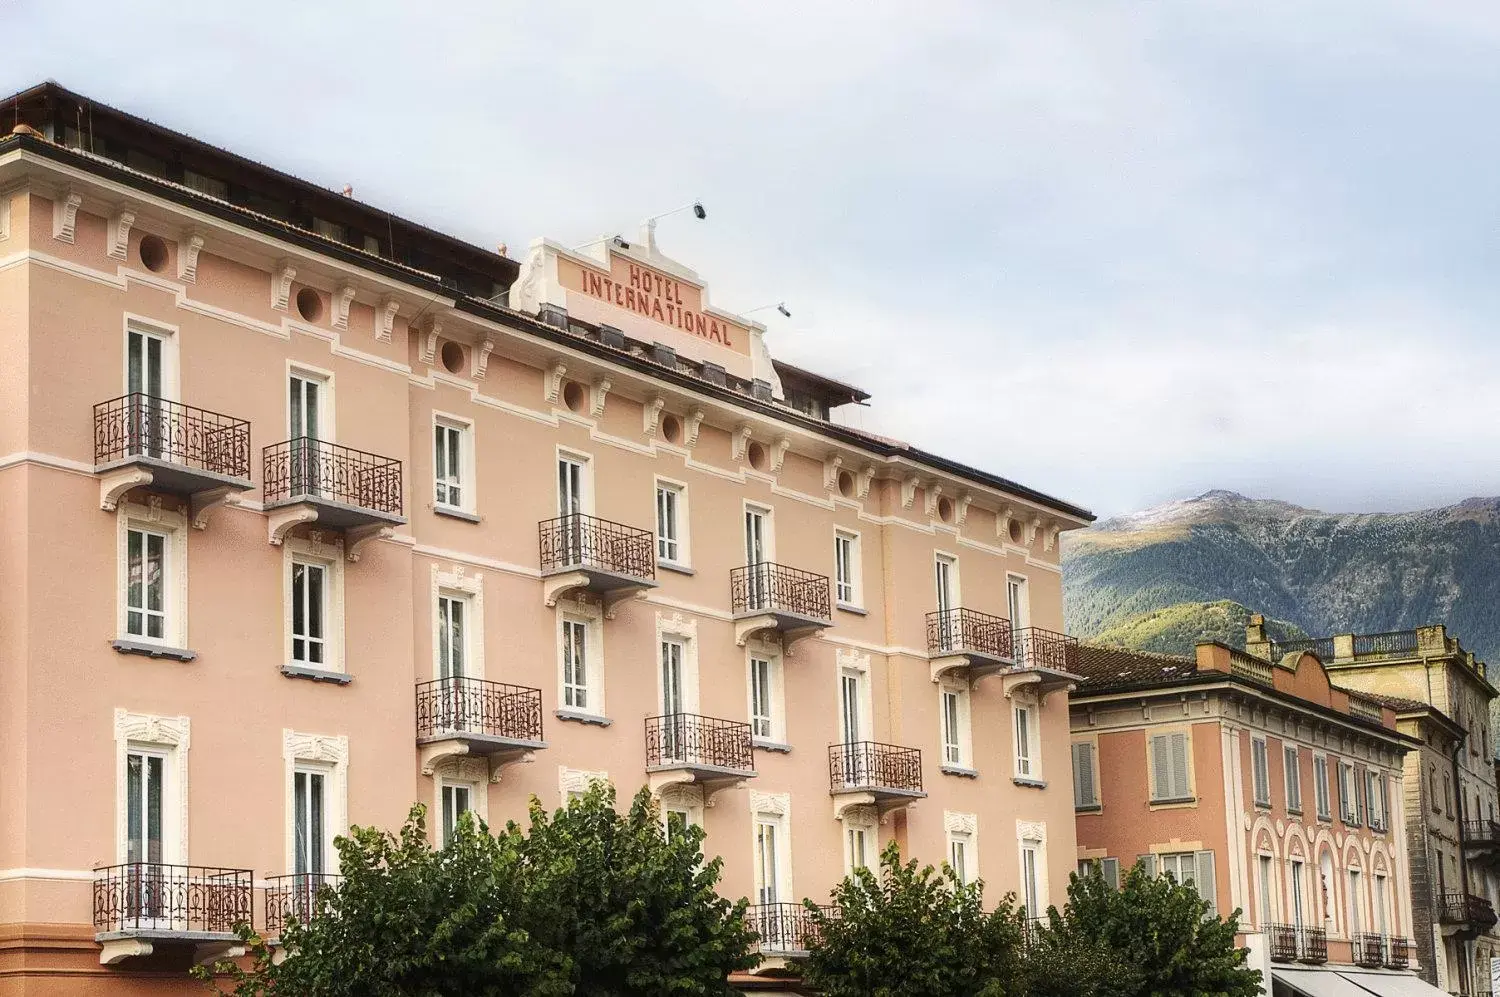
[[1160, 763], [1149, 861], [1207, 886], [1083, 776], [1110, 870], [1179, 766]]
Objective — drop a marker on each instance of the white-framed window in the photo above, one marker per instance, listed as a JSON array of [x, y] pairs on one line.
[[452, 635], [1260, 771], [309, 821], [1375, 795], [954, 727], [675, 820], [854, 703], [945, 582], [1348, 794], [1266, 888], [861, 838], [151, 366], [1032, 871], [575, 664], [1085, 776], [1028, 741], [1171, 767], [151, 772], [1109, 869], [963, 848], [1297, 900], [1356, 922], [458, 799], [314, 604], [453, 464], [767, 715], [309, 411], [574, 488], [580, 658], [677, 665], [771, 847], [316, 791], [1018, 602], [671, 523], [1379, 904], [1292, 775], [1321, 795], [681, 808], [1195, 869], [959, 847], [152, 575], [846, 568]]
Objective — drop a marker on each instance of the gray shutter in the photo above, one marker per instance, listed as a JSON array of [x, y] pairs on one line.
[[1149, 861], [1180, 788], [1208, 887], [1110, 870], [1161, 787], [1083, 775]]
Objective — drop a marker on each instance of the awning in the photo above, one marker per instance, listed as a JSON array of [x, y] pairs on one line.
[[1394, 984], [1312, 983]]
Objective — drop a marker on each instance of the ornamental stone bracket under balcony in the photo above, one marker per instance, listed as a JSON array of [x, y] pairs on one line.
[[966, 643], [146, 908], [470, 717], [1045, 662], [339, 488], [790, 602], [142, 441], [885, 777], [684, 748], [584, 553]]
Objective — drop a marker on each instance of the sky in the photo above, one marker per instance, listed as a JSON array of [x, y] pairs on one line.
[[1122, 252]]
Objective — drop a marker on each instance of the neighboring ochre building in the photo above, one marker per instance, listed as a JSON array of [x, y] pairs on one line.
[[315, 512], [1272, 791], [1442, 697]]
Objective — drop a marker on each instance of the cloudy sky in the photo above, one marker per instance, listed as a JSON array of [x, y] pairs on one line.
[[1120, 251]]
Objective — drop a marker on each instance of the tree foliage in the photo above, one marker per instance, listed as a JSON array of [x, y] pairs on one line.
[[585, 902]]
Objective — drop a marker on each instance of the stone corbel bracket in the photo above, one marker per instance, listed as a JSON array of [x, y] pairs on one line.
[[659, 782], [385, 318], [778, 454], [1049, 536], [739, 443], [482, 359], [188, 248], [961, 510], [831, 465], [598, 392], [862, 485], [845, 802], [931, 494], [428, 351], [114, 485], [1033, 527], [342, 299], [65, 215], [909, 490], [651, 416], [281, 521], [690, 428], [552, 382], [204, 503], [356, 539], [281, 283], [117, 238], [1002, 522]]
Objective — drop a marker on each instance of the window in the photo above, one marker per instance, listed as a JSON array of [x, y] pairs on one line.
[[145, 772], [575, 636], [309, 624], [953, 706], [328, 229], [1375, 796], [675, 821], [152, 577], [673, 683], [1320, 787], [1195, 869], [457, 800], [146, 584], [846, 568], [308, 807], [1267, 878], [945, 568], [451, 465], [768, 858], [1432, 789], [1108, 869], [1293, 778], [314, 606], [1296, 900], [960, 844], [1018, 601], [1448, 794], [1031, 883], [1348, 795], [452, 636], [1378, 904], [857, 840], [1356, 924], [1028, 743], [671, 523], [1260, 769], [1169, 768], [852, 711], [766, 711], [1085, 783]]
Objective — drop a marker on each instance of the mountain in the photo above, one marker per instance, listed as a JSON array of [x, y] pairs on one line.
[[1175, 629], [1324, 572]]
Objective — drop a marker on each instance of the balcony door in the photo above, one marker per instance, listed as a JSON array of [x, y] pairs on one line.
[[1297, 894], [307, 825], [572, 505], [1017, 602], [945, 571], [758, 553], [304, 429], [147, 883], [856, 763], [452, 647], [146, 357], [673, 732]]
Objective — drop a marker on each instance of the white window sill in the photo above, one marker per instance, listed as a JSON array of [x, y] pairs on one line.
[[681, 569], [126, 645], [293, 671], [765, 745], [849, 607], [1028, 781], [962, 771], [578, 716], [453, 512]]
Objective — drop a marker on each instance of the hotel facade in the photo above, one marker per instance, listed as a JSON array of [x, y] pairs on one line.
[[314, 512]]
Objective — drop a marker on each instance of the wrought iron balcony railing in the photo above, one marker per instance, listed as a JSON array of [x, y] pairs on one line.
[[688, 740], [870, 765], [139, 425], [956, 631], [1296, 943], [455, 706], [305, 468], [300, 897], [165, 899], [1369, 950], [783, 929], [775, 588], [1038, 648], [1481, 833], [1398, 955], [579, 541], [1312, 946], [1464, 908], [1282, 939]]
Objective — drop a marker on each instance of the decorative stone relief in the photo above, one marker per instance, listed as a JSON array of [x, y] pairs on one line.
[[1031, 830], [188, 248], [1002, 522], [849, 657], [117, 236], [65, 215], [675, 626], [831, 465], [682, 796], [342, 299], [739, 443], [862, 816], [428, 344], [385, 318], [651, 415], [148, 728], [862, 484], [778, 454], [577, 780], [482, 359], [690, 427], [1033, 526], [930, 495], [909, 490], [598, 392], [961, 511], [1049, 539], [552, 382], [159, 731], [778, 804], [960, 823], [282, 276]]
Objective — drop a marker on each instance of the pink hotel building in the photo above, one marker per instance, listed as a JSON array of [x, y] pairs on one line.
[[317, 512]]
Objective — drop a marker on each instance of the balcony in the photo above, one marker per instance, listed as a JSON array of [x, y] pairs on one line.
[[1295, 943], [145, 907], [1045, 661], [142, 440], [1471, 915], [1368, 950], [1482, 839], [340, 488], [299, 897], [1398, 954], [868, 773], [783, 931], [964, 641], [471, 716], [683, 747], [789, 601], [611, 560]]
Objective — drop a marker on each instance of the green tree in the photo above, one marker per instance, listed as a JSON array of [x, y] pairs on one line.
[[912, 932], [1149, 938], [634, 912]]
